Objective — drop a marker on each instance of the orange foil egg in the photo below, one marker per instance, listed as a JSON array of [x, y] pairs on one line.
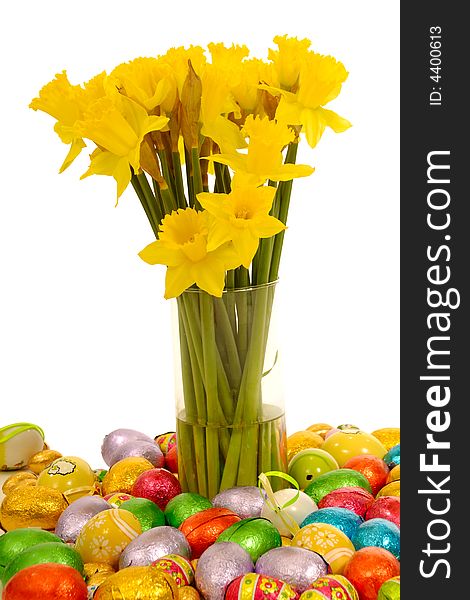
[[203, 528]]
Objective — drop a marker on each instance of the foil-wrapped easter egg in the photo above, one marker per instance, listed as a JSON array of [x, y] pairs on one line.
[[158, 485], [152, 545], [70, 475], [48, 552], [372, 467], [285, 516], [218, 566], [202, 529], [379, 533], [183, 506], [114, 441], [49, 581], [145, 449], [135, 583], [177, 567], [18, 442], [32, 506], [296, 566], [307, 465], [17, 480], [74, 517], [331, 543], [104, 536], [394, 474], [345, 520], [389, 436], [42, 460], [256, 535], [300, 440], [331, 587], [369, 568], [92, 569], [385, 507], [320, 428], [353, 498], [390, 590], [245, 501], [392, 457], [171, 460], [350, 442], [123, 474], [254, 586], [146, 511], [116, 499], [391, 489], [333, 480], [188, 593], [166, 441], [14, 542]]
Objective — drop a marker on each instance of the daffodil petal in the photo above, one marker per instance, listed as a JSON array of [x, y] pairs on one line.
[[338, 124], [213, 203], [267, 226], [219, 234], [246, 245], [209, 275], [158, 254], [177, 280], [288, 172], [236, 161], [75, 148], [314, 125], [289, 112]]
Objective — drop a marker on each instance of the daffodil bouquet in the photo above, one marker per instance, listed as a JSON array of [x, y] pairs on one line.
[[210, 148]]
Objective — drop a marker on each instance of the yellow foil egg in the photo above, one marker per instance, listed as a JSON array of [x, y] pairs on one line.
[[301, 440], [95, 568], [188, 593], [32, 506], [335, 547], [391, 489], [389, 436], [345, 444], [70, 475], [123, 474], [394, 474], [320, 428], [104, 536], [18, 480], [134, 583], [41, 460]]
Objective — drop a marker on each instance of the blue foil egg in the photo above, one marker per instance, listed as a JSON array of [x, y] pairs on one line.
[[345, 520], [392, 458], [379, 533]]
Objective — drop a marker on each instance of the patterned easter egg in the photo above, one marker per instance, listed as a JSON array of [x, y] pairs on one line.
[[166, 441], [255, 535], [74, 517], [254, 586], [203, 528], [42, 460], [135, 583], [284, 516], [117, 498], [178, 567], [331, 543], [105, 536], [331, 587], [48, 581], [123, 474], [18, 442], [70, 475], [334, 480], [347, 443]]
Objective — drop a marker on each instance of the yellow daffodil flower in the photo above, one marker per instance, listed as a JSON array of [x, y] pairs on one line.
[[288, 59], [177, 60], [117, 126], [241, 217], [182, 247], [320, 82], [263, 159]]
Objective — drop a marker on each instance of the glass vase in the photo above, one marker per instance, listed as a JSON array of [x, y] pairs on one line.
[[229, 399]]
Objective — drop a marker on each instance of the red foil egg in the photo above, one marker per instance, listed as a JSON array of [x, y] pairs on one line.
[[203, 528], [253, 586], [158, 485], [353, 498], [48, 581], [385, 507], [171, 459], [369, 568], [372, 467]]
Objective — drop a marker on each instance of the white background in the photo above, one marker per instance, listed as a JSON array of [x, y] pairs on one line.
[[86, 336]]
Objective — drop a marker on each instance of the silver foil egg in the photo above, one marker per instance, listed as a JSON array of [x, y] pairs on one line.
[[142, 448], [152, 545], [114, 441], [75, 516], [245, 501]]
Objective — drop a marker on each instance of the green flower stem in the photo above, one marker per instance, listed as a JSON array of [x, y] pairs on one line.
[[168, 177], [227, 179], [180, 195], [145, 206], [234, 371], [242, 312], [197, 177], [152, 203], [219, 179], [265, 450], [189, 177]]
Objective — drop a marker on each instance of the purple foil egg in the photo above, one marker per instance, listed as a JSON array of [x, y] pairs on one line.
[[152, 545], [114, 441], [75, 516], [245, 501], [298, 567], [218, 566], [142, 448]]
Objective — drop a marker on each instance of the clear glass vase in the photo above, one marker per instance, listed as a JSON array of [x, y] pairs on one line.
[[229, 398]]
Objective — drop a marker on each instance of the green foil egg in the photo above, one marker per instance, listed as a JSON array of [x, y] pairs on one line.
[[16, 541], [183, 506], [255, 535], [147, 512], [50, 552], [390, 590], [334, 480]]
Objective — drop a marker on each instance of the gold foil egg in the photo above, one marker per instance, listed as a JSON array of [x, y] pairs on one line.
[[123, 474], [391, 489], [18, 442], [96, 568], [389, 436], [394, 474], [320, 428], [32, 506], [18, 480], [301, 440], [41, 460], [187, 592], [134, 583]]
